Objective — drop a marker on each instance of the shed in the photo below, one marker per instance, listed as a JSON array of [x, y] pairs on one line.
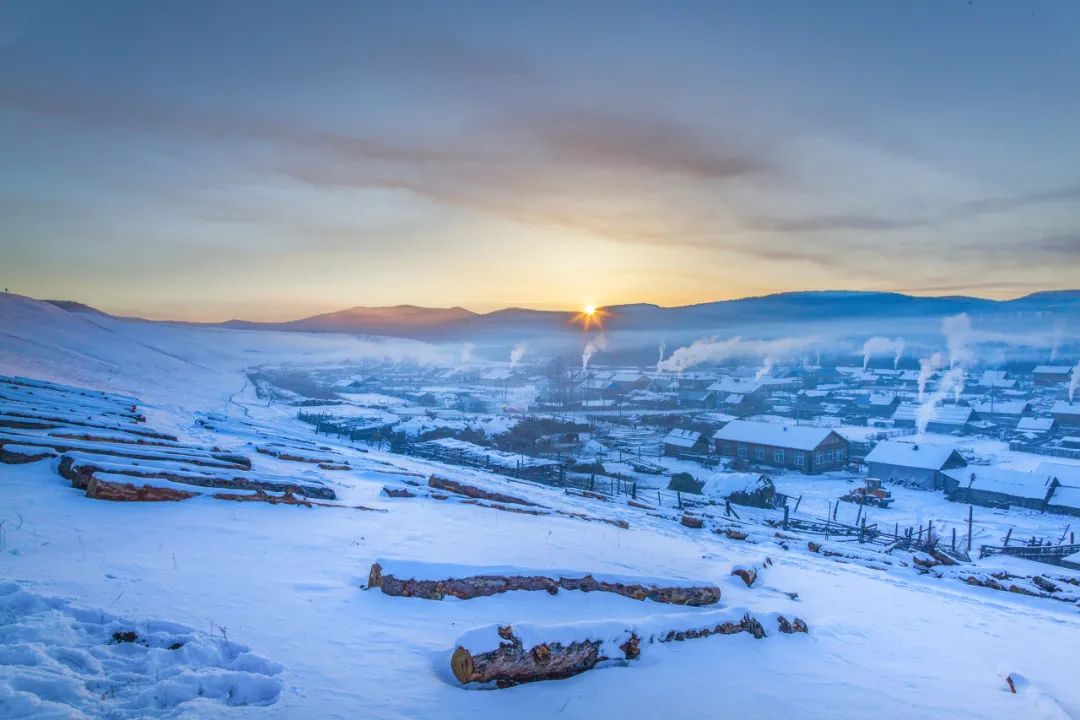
[[993, 486], [678, 442], [915, 464]]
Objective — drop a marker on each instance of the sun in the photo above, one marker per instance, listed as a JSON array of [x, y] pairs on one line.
[[590, 316]]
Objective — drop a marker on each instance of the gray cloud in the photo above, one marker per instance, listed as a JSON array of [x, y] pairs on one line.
[[957, 212]]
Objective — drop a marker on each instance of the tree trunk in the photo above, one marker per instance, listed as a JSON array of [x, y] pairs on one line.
[[484, 585]]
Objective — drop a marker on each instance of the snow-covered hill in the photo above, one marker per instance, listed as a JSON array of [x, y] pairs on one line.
[[223, 608]]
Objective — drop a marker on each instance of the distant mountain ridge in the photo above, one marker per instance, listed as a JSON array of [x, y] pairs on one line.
[[436, 324]]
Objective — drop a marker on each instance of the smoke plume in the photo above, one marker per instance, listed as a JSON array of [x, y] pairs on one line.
[[516, 354], [879, 345], [927, 367], [715, 350], [591, 348], [1074, 382]]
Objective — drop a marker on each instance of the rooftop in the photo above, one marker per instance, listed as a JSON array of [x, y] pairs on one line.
[[785, 436]]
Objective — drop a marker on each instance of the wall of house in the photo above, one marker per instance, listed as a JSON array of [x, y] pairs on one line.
[[922, 478], [832, 454]]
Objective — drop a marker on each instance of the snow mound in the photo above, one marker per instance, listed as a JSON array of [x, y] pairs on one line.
[[58, 660]]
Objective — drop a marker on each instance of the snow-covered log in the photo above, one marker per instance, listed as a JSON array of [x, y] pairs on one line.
[[81, 470], [474, 492], [128, 492], [507, 655], [435, 582]]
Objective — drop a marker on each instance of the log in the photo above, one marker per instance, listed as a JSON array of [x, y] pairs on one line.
[[691, 522], [147, 453], [1045, 584], [16, 455], [513, 663], [126, 492], [486, 584], [474, 492], [747, 574], [286, 498], [397, 492], [81, 472], [735, 534]]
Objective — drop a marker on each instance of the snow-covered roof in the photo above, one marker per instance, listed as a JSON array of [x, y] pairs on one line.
[[786, 436], [721, 485], [733, 399], [881, 399], [1003, 480], [734, 385], [1052, 370], [996, 378], [941, 414], [1064, 407], [1035, 425], [1000, 407], [1068, 497], [912, 455], [627, 376], [682, 438], [1065, 474]]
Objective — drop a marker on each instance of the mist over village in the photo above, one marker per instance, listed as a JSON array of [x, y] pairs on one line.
[[533, 360]]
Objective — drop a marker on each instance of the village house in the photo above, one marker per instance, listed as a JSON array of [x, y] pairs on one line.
[[1000, 487], [996, 379], [679, 442], [695, 399], [807, 449], [878, 404], [943, 418], [739, 396], [999, 410], [1035, 426], [1066, 413], [916, 464], [1051, 374]]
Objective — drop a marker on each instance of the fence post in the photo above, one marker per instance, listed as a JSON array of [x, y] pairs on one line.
[[954, 539], [678, 495], [970, 509], [1007, 536], [785, 517]]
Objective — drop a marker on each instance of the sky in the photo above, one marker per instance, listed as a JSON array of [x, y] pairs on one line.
[[270, 160]]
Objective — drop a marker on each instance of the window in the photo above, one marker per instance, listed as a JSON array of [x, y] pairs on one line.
[[800, 459], [742, 451], [840, 455], [819, 458], [828, 456], [778, 456], [759, 453]]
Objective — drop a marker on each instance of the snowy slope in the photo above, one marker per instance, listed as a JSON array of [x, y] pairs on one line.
[[285, 584]]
